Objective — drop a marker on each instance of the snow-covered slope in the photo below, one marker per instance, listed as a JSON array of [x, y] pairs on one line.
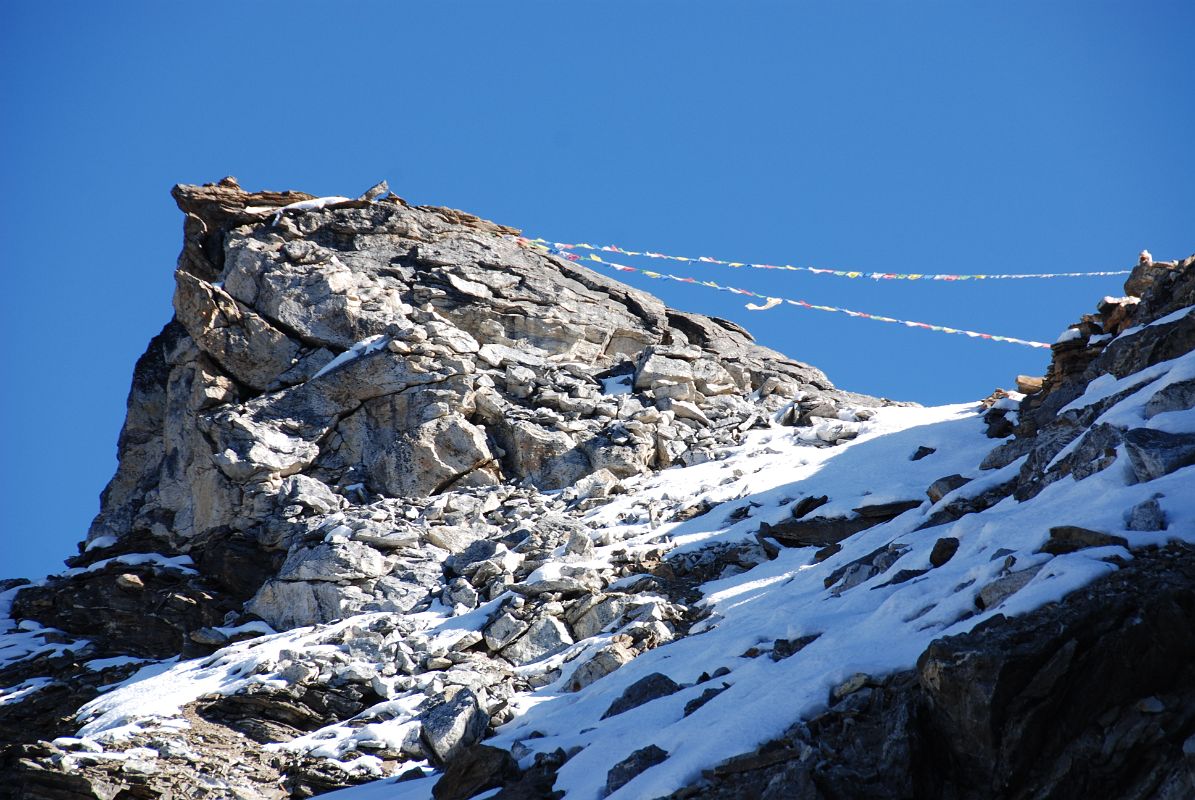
[[864, 624]]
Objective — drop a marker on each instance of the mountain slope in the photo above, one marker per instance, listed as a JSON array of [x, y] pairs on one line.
[[392, 485]]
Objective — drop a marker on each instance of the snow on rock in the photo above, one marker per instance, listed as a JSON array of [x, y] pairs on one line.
[[314, 204], [617, 384], [99, 542], [27, 640], [101, 664], [1173, 316], [15, 694], [182, 564], [160, 690], [361, 348], [1069, 335], [873, 628]]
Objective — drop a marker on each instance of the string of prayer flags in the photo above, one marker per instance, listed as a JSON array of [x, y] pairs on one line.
[[772, 302], [885, 276]]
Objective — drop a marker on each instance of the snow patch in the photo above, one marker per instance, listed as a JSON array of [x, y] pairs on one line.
[[361, 348], [1068, 335], [182, 564], [617, 384]]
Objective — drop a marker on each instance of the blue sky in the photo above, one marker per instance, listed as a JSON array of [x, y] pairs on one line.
[[911, 137]]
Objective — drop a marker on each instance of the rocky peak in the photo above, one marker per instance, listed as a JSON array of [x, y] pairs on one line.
[[334, 364]]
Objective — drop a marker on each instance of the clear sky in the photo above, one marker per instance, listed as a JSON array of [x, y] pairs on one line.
[[908, 137]]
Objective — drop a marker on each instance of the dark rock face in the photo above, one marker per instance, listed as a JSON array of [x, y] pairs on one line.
[[236, 565], [1069, 538], [808, 504], [633, 765], [140, 610], [1092, 697], [944, 486], [825, 531], [816, 531], [48, 714], [1154, 453], [452, 726], [267, 717], [474, 771], [141, 442], [944, 550], [536, 783], [642, 691], [921, 452]]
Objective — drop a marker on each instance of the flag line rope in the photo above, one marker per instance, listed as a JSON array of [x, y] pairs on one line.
[[890, 276], [772, 302]]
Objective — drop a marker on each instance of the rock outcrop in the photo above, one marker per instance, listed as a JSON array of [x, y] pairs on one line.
[[355, 352], [357, 409], [1099, 362]]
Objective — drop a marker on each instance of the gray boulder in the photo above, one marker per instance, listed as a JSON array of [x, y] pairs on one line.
[[504, 630], [334, 561], [1146, 516], [593, 614], [545, 637], [632, 766], [606, 660], [1154, 453], [292, 604], [452, 726], [1069, 538], [999, 590], [644, 690]]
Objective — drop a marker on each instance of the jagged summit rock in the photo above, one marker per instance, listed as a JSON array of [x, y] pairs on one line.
[[359, 350], [446, 314], [376, 191], [392, 485]]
